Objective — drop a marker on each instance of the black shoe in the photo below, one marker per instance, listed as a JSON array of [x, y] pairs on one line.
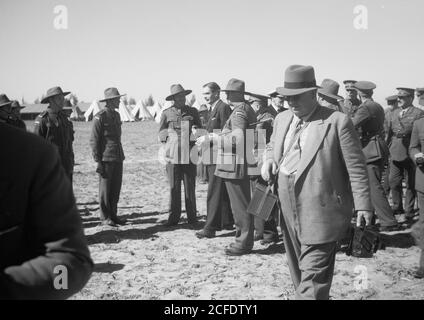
[[395, 227], [169, 224], [120, 222], [233, 251], [205, 234], [419, 274]]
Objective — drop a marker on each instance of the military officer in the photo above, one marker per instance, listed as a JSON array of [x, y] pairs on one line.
[[105, 142], [369, 121], [219, 215], [398, 138], [351, 103], [277, 102], [41, 235], [54, 126], [16, 113], [232, 163], [328, 95], [5, 110], [266, 231], [392, 106], [175, 133]]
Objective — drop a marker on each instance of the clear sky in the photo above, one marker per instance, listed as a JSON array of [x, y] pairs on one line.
[[143, 46]]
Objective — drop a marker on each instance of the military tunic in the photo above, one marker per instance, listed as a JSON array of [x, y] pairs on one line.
[[107, 149], [175, 134], [398, 138], [58, 130], [351, 106]]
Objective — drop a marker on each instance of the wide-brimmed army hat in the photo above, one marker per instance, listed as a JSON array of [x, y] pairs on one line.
[[55, 91], [405, 92], [111, 93], [349, 84], [236, 85], [330, 88], [17, 105], [298, 79], [258, 97], [364, 86], [175, 90], [4, 101], [392, 98]]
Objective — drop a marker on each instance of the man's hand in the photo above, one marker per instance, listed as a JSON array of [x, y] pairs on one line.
[[101, 169], [269, 170], [366, 215]]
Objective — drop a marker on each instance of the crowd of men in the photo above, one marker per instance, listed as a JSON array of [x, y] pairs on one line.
[[331, 160]]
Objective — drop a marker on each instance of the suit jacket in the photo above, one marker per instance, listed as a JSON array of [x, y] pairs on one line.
[[232, 156], [399, 132], [40, 227], [331, 179], [417, 146]]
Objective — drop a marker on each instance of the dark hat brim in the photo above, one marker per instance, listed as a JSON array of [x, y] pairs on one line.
[[5, 104], [294, 92], [44, 100], [113, 97], [171, 97]]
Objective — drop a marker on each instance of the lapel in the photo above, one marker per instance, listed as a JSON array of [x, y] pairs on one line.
[[317, 131], [285, 125]]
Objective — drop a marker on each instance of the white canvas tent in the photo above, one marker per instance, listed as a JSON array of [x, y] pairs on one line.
[[140, 112], [77, 114], [92, 111], [125, 113]]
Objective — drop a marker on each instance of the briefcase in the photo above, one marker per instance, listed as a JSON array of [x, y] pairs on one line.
[[375, 150], [363, 242], [263, 201]]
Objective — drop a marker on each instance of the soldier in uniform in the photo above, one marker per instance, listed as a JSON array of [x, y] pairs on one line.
[[328, 95], [392, 106], [416, 152], [41, 235], [105, 142], [175, 129], [369, 121], [232, 165], [277, 102], [266, 231], [54, 126], [351, 103], [16, 113], [219, 215], [398, 138]]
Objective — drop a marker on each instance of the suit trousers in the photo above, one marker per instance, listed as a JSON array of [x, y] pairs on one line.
[[266, 230], [109, 189], [311, 266], [397, 170], [186, 173], [239, 194], [378, 197], [219, 213]]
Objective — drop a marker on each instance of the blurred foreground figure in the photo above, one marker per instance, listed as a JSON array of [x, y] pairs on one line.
[[43, 251], [416, 151], [316, 157], [107, 151]]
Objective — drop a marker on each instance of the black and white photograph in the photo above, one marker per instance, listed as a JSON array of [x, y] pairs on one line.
[[221, 152]]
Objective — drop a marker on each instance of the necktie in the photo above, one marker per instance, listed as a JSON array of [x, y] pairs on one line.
[[292, 159]]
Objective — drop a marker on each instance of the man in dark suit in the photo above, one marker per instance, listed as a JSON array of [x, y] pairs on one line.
[[369, 122], [219, 213], [416, 151], [322, 178], [43, 250], [232, 161], [398, 138]]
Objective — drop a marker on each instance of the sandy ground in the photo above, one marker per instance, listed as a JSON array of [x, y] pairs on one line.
[[144, 260]]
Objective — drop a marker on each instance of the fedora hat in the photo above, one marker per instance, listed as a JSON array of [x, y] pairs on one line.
[[236, 85], [16, 104], [4, 101], [177, 89], [405, 92], [298, 79], [111, 93], [330, 88], [54, 92]]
